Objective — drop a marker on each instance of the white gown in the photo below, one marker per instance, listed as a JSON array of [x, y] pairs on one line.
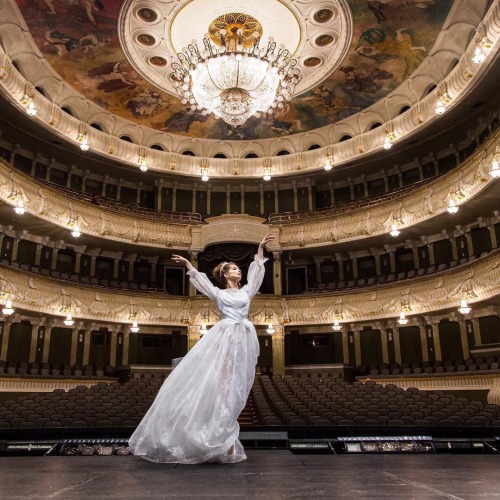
[[194, 416]]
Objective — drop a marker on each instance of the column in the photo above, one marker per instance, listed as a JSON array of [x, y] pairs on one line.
[[138, 194], [209, 193], [464, 339], [477, 331], [332, 192], [228, 199], [174, 197], [423, 340], [309, 195], [193, 199], [434, 328], [119, 190], [432, 260], [131, 261], [86, 344], [261, 191], [112, 349], [277, 273], [159, 194], [278, 339], [276, 204], [470, 246], [392, 261], [92, 265], [384, 337], [357, 345], [74, 345], [38, 254], [454, 250], [15, 248], [351, 187], [416, 260], [420, 173], [242, 198], [154, 262], [318, 261], [194, 262], [103, 188], [116, 267], [493, 236], [33, 341], [5, 338], [193, 335], [345, 347], [340, 263], [354, 261], [377, 263], [295, 198], [126, 348], [46, 341], [386, 181], [78, 261], [397, 344], [53, 263]]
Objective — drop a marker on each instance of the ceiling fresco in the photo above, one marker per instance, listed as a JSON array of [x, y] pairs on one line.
[[79, 39]]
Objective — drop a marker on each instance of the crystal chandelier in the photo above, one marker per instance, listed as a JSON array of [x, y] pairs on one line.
[[233, 77]]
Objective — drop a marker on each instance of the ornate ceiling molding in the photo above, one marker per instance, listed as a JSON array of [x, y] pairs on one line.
[[457, 83], [478, 281]]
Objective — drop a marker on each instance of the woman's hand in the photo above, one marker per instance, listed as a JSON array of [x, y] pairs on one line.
[[267, 238], [182, 260]]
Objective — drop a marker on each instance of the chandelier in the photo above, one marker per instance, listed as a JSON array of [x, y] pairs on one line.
[[232, 76]]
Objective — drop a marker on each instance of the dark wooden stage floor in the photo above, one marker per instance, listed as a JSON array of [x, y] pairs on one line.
[[267, 474]]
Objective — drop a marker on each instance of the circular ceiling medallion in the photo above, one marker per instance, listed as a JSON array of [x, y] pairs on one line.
[[310, 62], [158, 61], [324, 40], [145, 39], [147, 15], [232, 22], [317, 36], [323, 15]]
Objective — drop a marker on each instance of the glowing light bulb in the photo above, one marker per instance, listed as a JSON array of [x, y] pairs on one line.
[[76, 231], [479, 56], [387, 143], [8, 309], [452, 207], [336, 327], [403, 320], [440, 107], [69, 320], [134, 328], [464, 307], [495, 169], [84, 145], [31, 109], [270, 329], [394, 230], [19, 208]]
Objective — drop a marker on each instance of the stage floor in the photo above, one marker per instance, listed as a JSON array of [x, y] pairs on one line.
[[267, 474]]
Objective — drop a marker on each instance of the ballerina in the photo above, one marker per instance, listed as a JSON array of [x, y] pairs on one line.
[[194, 416]]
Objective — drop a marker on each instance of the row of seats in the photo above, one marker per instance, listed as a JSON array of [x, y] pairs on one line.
[[317, 401], [273, 401], [55, 369], [354, 283], [427, 367]]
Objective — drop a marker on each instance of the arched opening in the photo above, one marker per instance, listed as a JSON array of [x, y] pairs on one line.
[[188, 153]]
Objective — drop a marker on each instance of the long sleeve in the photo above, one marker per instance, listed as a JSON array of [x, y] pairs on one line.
[[255, 276], [201, 282]]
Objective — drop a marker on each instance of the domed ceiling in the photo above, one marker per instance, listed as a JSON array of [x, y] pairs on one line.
[[352, 53]]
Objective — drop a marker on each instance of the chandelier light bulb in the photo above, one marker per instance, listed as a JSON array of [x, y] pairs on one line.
[[387, 143], [440, 107], [394, 230], [479, 56], [134, 328], [267, 174], [270, 329], [452, 207], [464, 307], [8, 309], [19, 208], [76, 231], [403, 320], [336, 327], [69, 320], [328, 164], [495, 169], [31, 109]]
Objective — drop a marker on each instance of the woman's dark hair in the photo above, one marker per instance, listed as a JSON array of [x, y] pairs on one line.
[[218, 273]]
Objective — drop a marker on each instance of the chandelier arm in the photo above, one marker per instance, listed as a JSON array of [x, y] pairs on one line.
[[209, 47], [270, 49]]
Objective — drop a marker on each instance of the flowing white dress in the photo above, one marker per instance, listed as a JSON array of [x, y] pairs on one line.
[[194, 416]]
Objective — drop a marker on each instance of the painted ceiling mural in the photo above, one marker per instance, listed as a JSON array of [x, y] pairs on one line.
[[79, 39]]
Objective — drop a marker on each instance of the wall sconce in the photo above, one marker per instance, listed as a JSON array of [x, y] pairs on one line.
[[336, 327], [403, 320], [19, 208], [141, 161], [389, 139], [69, 320], [452, 207], [270, 329], [328, 164], [267, 174], [8, 309], [464, 307], [204, 174], [203, 329], [134, 328]]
